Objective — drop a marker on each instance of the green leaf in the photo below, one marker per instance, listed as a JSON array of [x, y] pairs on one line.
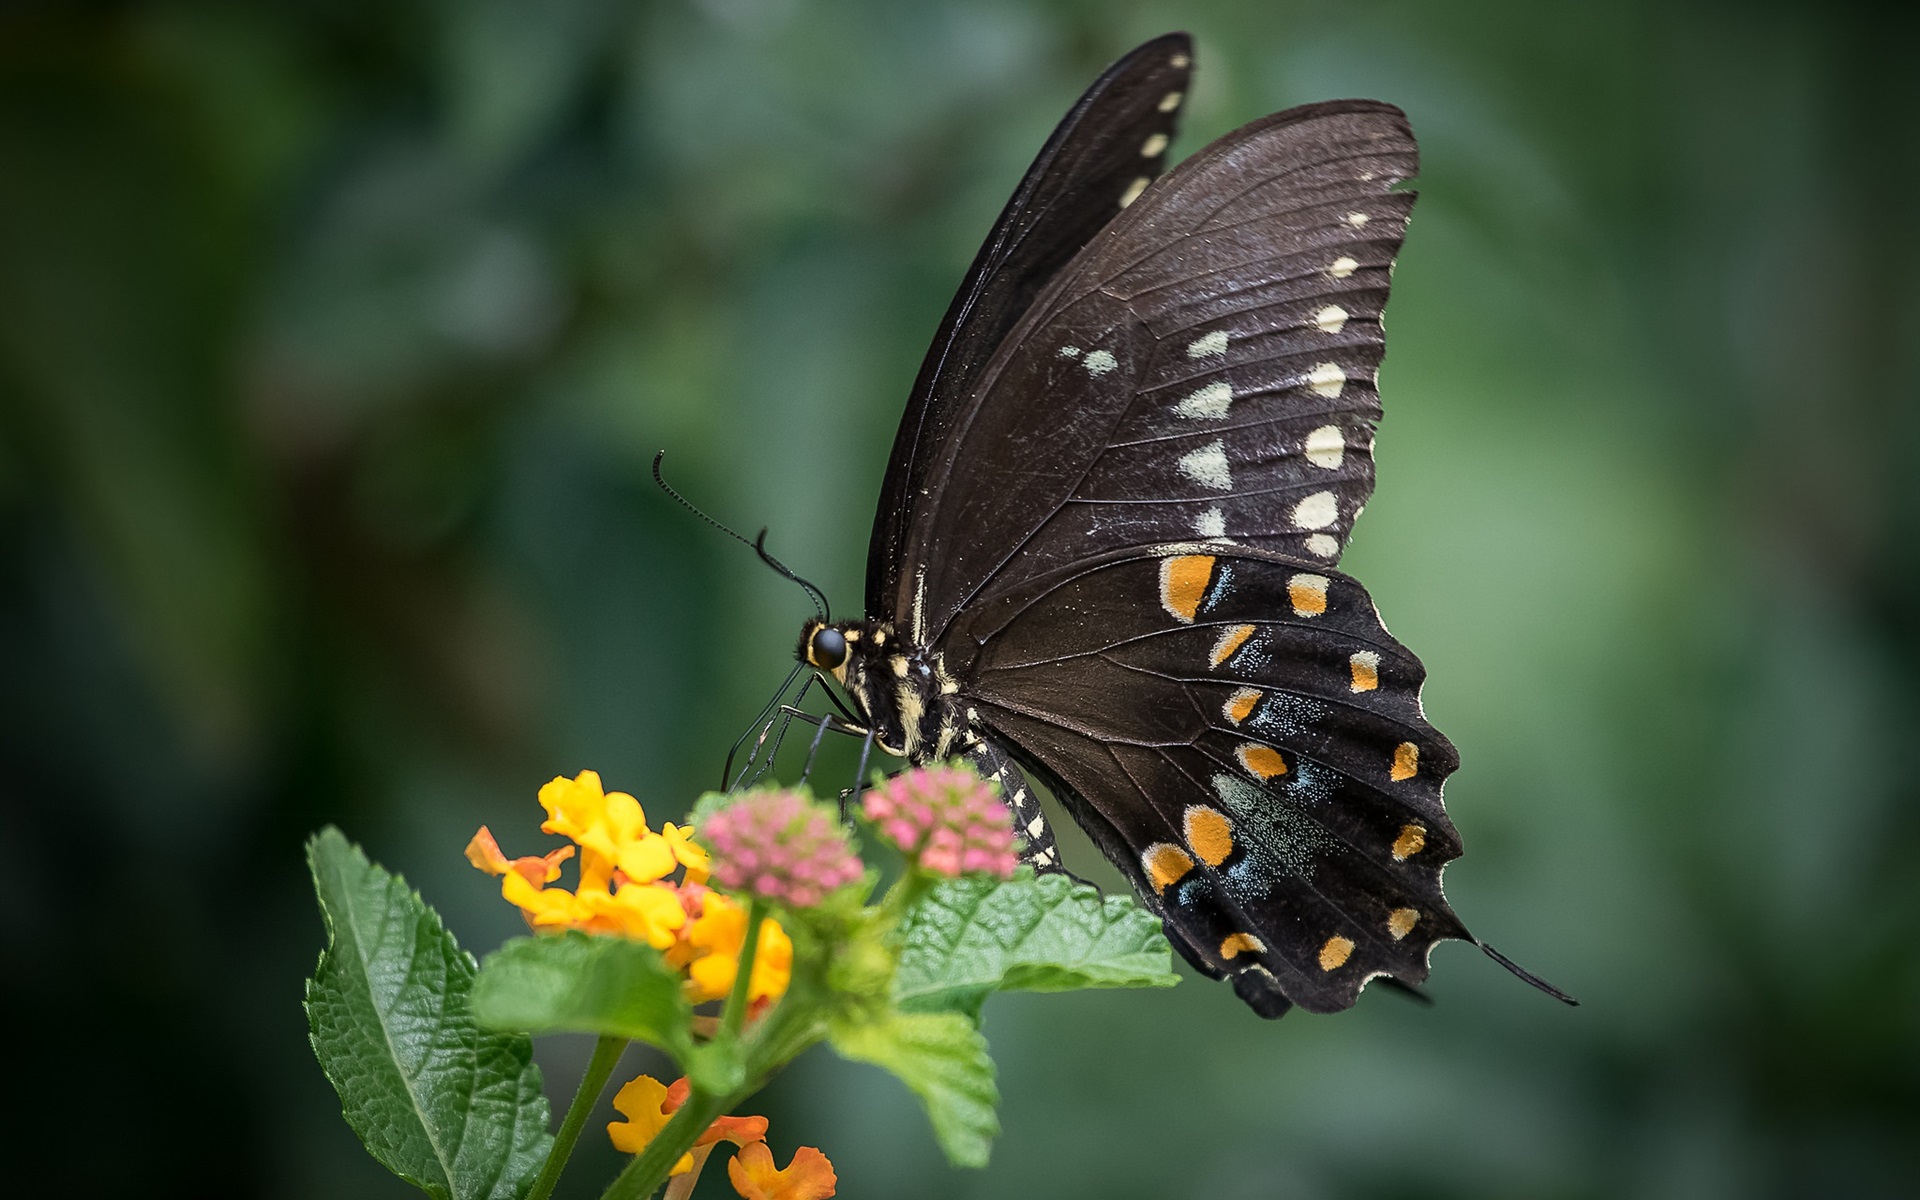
[[943, 1059], [453, 1110], [971, 937], [579, 983]]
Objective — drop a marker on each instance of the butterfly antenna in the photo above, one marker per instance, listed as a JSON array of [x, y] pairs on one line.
[[1527, 976], [821, 608]]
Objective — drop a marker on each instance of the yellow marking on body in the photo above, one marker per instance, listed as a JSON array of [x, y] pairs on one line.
[[1239, 706], [1335, 952], [1183, 584], [1331, 319], [1211, 343], [1153, 145], [1165, 864], [1262, 762], [1325, 447], [1170, 101], [1316, 511], [1307, 594], [1099, 362], [1412, 840], [1365, 666], [1133, 191], [1231, 638], [1406, 761], [1327, 378], [1236, 944], [899, 665], [1356, 219], [1342, 267], [1210, 834], [1400, 922]]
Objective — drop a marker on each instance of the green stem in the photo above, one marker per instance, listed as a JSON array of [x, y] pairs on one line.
[[606, 1054], [736, 1015]]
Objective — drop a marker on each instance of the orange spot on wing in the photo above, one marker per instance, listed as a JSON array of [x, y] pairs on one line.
[[1183, 583], [1231, 639], [1240, 705], [1406, 761], [1165, 864], [1264, 762], [1412, 840], [1210, 834], [1307, 594], [1365, 667], [1241, 943], [1335, 952], [1400, 922]]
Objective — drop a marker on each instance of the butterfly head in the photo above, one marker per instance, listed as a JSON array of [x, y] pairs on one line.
[[824, 648]]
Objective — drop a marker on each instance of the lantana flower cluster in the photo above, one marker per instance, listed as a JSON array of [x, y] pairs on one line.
[[782, 847], [626, 888], [946, 820]]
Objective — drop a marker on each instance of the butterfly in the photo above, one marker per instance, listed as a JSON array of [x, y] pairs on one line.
[[1106, 547]]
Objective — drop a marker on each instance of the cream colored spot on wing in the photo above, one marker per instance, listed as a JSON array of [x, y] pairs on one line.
[[1133, 191], [1239, 706], [1209, 343], [1100, 362], [1261, 762], [1236, 944], [1307, 594], [1210, 834], [1316, 511], [1331, 319], [1069, 352], [1326, 378], [1183, 584], [1170, 101], [1335, 952], [1153, 145], [1324, 545], [1400, 922], [1343, 267], [1211, 523], [1325, 446], [1412, 840], [1210, 403], [1231, 638], [1180, 62], [1208, 467], [1356, 219], [1406, 761], [1364, 666], [1165, 863]]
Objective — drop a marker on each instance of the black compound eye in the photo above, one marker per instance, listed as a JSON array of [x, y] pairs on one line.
[[828, 649]]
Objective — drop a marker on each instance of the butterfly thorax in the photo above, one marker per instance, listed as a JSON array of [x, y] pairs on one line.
[[902, 692]]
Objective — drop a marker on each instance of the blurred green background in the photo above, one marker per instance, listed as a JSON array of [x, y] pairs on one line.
[[335, 340]]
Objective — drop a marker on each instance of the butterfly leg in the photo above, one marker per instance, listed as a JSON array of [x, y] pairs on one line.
[[1028, 820]]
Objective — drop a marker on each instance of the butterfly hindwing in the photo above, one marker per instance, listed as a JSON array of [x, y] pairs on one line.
[[1243, 737], [1101, 156], [1205, 368]]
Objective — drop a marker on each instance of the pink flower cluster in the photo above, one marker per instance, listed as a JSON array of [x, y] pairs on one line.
[[780, 846], [947, 820]]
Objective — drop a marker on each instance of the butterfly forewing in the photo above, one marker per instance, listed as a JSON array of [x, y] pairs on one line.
[[1240, 733], [1204, 368], [1100, 157]]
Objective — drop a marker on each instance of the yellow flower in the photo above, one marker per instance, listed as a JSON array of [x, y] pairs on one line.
[[644, 1104], [688, 852], [721, 932], [648, 912], [610, 827]]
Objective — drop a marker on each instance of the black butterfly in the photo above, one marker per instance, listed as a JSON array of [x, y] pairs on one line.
[[1106, 542]]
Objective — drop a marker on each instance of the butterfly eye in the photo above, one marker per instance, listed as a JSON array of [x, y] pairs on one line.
[[827, 649]]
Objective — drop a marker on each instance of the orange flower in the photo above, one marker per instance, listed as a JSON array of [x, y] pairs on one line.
[[484, 853], [643, 1103], [808, 1177]]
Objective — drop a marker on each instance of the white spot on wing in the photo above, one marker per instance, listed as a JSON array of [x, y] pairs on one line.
[[1069, 352], [1170, 101], [1179, 62], [1212, 343], [1211, 523], [1342, 267], [1317, 511], [1331, 319], [1208, 404], [1101, 361], [1356, 219], [1323, 545], [1325, 446], [1208, 467], [1153, 145], [1133, 191], [1326, 378]]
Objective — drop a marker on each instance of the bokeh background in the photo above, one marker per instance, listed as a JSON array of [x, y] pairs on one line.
[[335, 341]]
